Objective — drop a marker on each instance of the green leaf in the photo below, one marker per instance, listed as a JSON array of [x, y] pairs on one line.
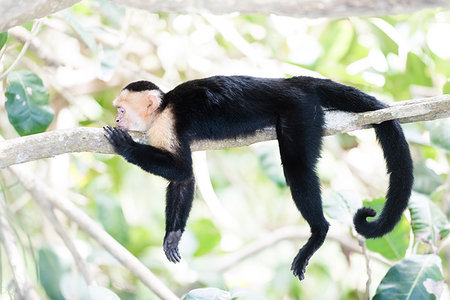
[[27, 103], [269, 158], [415, 277], [380, 28], [341, 205], [85, 35], [51, 270], [109, 60], [440, 134], [418, 71], [3, 39], [446, 89], [393, 245], [207, 234], [429, 223], [426, 181], [99, 292], [111, 216], [208, 294], [112, 12]]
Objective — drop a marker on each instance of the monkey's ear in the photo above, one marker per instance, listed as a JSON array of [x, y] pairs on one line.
[[153, 101]]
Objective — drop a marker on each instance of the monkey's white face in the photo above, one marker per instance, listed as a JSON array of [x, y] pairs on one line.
[[135, 109]]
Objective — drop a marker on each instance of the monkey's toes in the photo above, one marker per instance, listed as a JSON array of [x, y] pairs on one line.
[[298, 266], [171, 246]]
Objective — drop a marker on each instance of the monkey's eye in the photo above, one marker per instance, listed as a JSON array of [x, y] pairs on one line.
[[121, 110]]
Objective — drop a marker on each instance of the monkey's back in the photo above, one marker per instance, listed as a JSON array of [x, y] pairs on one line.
[[229, 106]]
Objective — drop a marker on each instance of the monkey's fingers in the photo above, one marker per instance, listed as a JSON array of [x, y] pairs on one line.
[[109, 135]]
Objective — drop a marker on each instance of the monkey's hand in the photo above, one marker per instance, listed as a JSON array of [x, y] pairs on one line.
[[121, 141], [170, 246]]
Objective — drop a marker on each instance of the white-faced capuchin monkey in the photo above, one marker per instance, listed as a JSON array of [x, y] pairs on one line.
[[230, 106]]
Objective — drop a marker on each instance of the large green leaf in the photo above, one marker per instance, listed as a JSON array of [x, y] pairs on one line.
[[208, 294], [51, 270], [341, 205], [429, 223], [426, 181], [394, 244], [440, 134], [381, 30], [27, 103], [418, 71], [3, 39], [85, 35], [207, 234], [269, 158], [415, 277], [111, 216], [99, 292]]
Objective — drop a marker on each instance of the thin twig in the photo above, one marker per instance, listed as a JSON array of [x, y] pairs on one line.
[[35, 29], [362, 243], [36, 186], [47, 209], [23, 283]]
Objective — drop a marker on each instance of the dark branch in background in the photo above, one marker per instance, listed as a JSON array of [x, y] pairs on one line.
[[49, 144], [18, 12]]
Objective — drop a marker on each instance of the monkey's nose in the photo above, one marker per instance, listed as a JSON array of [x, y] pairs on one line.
[[117, 121]]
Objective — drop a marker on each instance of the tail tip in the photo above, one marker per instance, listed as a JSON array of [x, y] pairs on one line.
[[362, 226]]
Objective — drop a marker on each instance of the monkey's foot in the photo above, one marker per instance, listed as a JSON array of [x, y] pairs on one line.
[[299, 265], [170, 246]]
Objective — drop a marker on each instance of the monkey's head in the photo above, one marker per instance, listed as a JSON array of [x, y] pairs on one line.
[[136, 105]]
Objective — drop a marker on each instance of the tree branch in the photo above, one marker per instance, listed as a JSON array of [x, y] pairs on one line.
[[84, 139], [19, 12]]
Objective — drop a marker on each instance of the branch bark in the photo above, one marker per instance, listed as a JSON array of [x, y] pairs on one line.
[[18, 12], [84, 139]]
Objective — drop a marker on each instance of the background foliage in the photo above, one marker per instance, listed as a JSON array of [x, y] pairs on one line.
[[80, 59]]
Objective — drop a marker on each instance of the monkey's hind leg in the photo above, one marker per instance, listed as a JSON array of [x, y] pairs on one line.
[[179, 197], [299, 139]]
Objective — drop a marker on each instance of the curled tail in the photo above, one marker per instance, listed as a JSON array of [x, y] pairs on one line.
[[396, 153]]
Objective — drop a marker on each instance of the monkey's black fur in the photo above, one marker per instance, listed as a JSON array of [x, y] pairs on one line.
[[223, 107]]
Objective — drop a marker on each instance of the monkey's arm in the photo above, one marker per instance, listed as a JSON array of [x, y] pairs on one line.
[[149, 158]]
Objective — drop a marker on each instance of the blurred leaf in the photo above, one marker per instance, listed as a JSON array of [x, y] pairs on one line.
[[99, 292], [73, 284], [140, 239], [446, 89], [85, 36], [51, 270], [440, 134], [426, 181], [387, 44], [112, 12], [3, 39], [429, 223], [341, 205], [27, 103], [111, 216], [207, 234], [417, 70], [269, 158], [415, 277], [393, 245], [208, 294], [336, 40], [109, 59], [241, 293]]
